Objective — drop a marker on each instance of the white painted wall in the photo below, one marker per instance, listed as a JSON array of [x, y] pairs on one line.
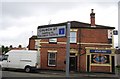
[[117, 59]]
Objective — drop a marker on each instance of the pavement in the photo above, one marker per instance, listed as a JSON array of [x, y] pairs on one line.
[[80, 74]]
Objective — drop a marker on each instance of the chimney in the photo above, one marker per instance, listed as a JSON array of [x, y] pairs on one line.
[[92, 18]]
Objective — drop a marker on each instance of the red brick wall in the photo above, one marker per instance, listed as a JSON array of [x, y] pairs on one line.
[[61, 52], [31, 44], [83, 63], [83, 36], [100, 68], [94, 36]]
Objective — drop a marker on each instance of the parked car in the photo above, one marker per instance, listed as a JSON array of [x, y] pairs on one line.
[[21, 59]]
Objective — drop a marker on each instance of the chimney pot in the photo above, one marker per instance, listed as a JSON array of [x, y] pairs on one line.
[[92, 10], [92, 18]]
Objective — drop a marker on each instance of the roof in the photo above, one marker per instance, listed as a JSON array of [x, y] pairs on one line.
[[77, 24], [33, 37], [21, 51]]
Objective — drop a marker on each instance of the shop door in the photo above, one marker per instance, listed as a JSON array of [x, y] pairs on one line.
[[88, 63], [73, 63], [113, 64]]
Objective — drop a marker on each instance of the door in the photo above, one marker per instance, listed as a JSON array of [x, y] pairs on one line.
[[73, 63], [88, 63], [14, 60], [5, 61], [113, 64]]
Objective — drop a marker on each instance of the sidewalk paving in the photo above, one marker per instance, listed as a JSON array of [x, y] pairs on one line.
[[79, 74]]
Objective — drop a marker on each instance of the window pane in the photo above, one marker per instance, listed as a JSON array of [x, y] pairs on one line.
[[53, 40], [52, 62], [5, 57], [72, 37], [72, 34], [36, 44], [52, 55], [51, 59]]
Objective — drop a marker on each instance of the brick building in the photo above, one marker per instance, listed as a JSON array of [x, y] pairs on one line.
[[33, 43], [91, 48]]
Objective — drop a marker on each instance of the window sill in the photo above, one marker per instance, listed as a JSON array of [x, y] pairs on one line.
[[73, 43], [100, 64], [51, 65]]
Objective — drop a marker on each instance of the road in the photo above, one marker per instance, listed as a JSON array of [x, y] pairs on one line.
[[11, 74]]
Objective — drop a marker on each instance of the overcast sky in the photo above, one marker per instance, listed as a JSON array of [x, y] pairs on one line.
[[20, 18]]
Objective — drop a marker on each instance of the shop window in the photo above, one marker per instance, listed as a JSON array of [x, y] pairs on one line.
[[53, 40], [73, 37], [100, 59], [51, 59]]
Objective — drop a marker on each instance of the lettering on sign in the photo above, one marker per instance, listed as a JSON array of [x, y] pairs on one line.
[[49, 32], [101, 51]]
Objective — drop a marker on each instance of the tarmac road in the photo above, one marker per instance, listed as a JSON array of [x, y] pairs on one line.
[[11, 74]]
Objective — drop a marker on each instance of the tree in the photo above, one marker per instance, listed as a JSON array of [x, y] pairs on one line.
[[5, 49], [20, 46], [0, 50], [11, 46]]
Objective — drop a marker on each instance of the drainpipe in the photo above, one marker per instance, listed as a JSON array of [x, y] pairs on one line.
[[79, 48]]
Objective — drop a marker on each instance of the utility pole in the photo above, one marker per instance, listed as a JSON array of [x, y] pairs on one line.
[[119, 24], [68, 49]]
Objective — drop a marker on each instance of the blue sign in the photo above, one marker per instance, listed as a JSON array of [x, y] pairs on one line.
[[61, 31], [115, 32], [101, 51]]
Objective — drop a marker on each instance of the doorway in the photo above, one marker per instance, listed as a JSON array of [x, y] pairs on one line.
[[73, 63], [113, 64]]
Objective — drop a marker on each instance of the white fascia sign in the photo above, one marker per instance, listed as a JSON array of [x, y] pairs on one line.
[[51, 32]]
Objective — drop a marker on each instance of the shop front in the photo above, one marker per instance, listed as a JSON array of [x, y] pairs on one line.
[[100, 60]]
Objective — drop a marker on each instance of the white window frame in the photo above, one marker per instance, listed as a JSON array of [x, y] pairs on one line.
[[73, 37], [36, 44], [110, 33], [51, 59]]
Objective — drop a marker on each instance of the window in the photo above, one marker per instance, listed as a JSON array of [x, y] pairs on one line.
[[1, 58], [51, 59], [36, 44], [5, 57], [100, 59], [73, 37], [109, 41], [110, 36], [53, 40]]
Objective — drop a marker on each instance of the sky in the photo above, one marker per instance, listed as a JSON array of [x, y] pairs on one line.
[[19, 19]]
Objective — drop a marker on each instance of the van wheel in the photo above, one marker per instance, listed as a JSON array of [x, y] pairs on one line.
[[28, 69]]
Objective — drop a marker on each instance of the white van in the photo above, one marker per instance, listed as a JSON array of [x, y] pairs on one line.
[[21, 59]]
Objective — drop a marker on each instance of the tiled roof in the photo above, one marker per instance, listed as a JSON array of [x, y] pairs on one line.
[[77, 24]]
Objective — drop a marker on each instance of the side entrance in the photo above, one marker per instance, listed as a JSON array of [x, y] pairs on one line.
[[73, 63]]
